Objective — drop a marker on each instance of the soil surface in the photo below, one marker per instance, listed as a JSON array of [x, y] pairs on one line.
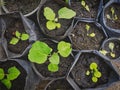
[[65, 23], [15, 25], [64, 65], [82, 12], [25, 6], [112, 23], [116, 49], [114, 86], [82, 41], [2, 53], [79, 71], [17, 84], [60, 85]]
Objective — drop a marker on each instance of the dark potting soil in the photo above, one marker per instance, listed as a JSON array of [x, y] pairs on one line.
[[17, 84], [64, 65], [65, 23], [25, 6], [116, 49], [114, 86], [60, 85], [79, 71], [16, 25], [80, 39], [2, 53], [82, 12], [42, 85], [115, 24]]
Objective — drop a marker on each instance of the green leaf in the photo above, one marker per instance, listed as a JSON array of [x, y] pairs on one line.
[[112, 10], [13, 73], [7, 83], [14, 41], [104, 52], [93, 65], [87, 27], [97, 74], [94, 79], [83, 3], [112, 54], [49, 13], [66, 13], [87, 8], [1, 74], [92, 35], [53, 67], [50, 25], [54, 59], [39, 52], [111, 46], [58, 25], [87, 72], [108, 16], [17, 34], [64, 48], [24, 36]]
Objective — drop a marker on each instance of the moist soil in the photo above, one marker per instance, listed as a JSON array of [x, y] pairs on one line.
[[2, 53], [15, 25], [60, 85], [82, 12], [79, 71], [115, 24], [81, 41], [25, 6], [65, 23], [116, 49], [64, 65], [17, 84]]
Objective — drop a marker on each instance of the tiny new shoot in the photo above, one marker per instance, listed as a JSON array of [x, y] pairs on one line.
[[87, 27], [111, 52], [93, 70], [40, 52], [18, 36], [83, 3], [113, 16], [52, 18], [6, 78]]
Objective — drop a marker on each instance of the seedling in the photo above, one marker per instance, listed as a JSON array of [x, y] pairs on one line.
[[111, 47], [6, 78], [53, 20], [18, 36], [87, 27], [67, 1], [113, 15], [83, 3], [40, 52], [96, 74]]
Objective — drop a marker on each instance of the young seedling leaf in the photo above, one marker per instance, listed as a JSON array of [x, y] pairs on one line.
[[83, 3], [1, 74], [13, 73], [24, 36], [49, 13], [14, 41], [50, 25], [92, 35], [53, 67], [108, 16], [7, 83], [54, 59], [116, 17], [111, 46], [112, 54], [87, 27], [87, 8], [64, 48], [66, 13], [104, 52], [87, 72], [17, 34], [93, 65], [58, 25], [112, 10], [39, 52], [94, 79], [97, 74]]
